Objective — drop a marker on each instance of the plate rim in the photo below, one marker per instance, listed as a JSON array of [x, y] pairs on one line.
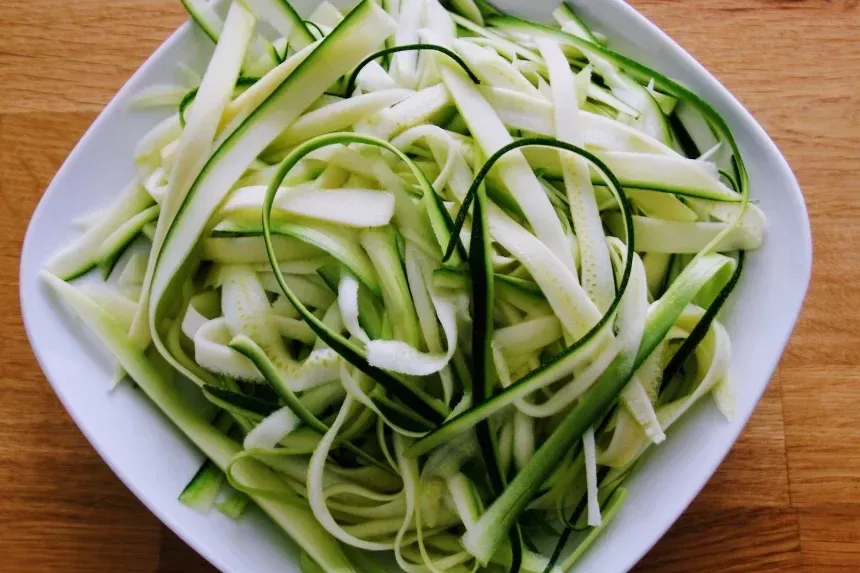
[[187, 534]]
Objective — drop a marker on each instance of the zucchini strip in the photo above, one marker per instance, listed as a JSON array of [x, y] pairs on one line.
[[118, 241], [336, 116], [261, 55], [660, 236], [283, 18], [346, 207], [202, 491], [82, 254], [704, 324], [272, 429], [246, 102], [493, 69], [381, 246], [195, 144], [310, 238], [597, 277], [678, 175]]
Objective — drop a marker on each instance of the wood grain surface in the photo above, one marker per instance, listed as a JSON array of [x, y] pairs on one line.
[[788, 496]]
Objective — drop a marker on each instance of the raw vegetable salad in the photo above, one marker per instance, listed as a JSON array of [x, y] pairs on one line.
[[439, 276]]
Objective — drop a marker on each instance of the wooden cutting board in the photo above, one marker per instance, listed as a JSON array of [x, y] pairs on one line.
[[787, 497]]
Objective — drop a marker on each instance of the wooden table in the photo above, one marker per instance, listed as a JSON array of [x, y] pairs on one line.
[[788, 496]]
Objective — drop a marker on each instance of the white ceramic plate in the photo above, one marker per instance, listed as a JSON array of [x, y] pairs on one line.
[[154, 460]]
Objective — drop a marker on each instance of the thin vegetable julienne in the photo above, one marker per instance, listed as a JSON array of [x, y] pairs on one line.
[[370, 427]]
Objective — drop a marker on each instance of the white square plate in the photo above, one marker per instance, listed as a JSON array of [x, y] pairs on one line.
[[155, 461]]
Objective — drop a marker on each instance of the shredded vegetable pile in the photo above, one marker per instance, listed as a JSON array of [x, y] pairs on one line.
[[439, 277]]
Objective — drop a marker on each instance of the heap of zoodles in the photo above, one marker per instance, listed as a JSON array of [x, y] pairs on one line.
[[442, 275]]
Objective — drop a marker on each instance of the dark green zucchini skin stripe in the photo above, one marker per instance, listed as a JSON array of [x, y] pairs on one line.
[[201, 23], [350, 84], [682, 136], [701, 329], [481, 267], [460, 253], [252, 404], [310, 25], [482, 334]]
